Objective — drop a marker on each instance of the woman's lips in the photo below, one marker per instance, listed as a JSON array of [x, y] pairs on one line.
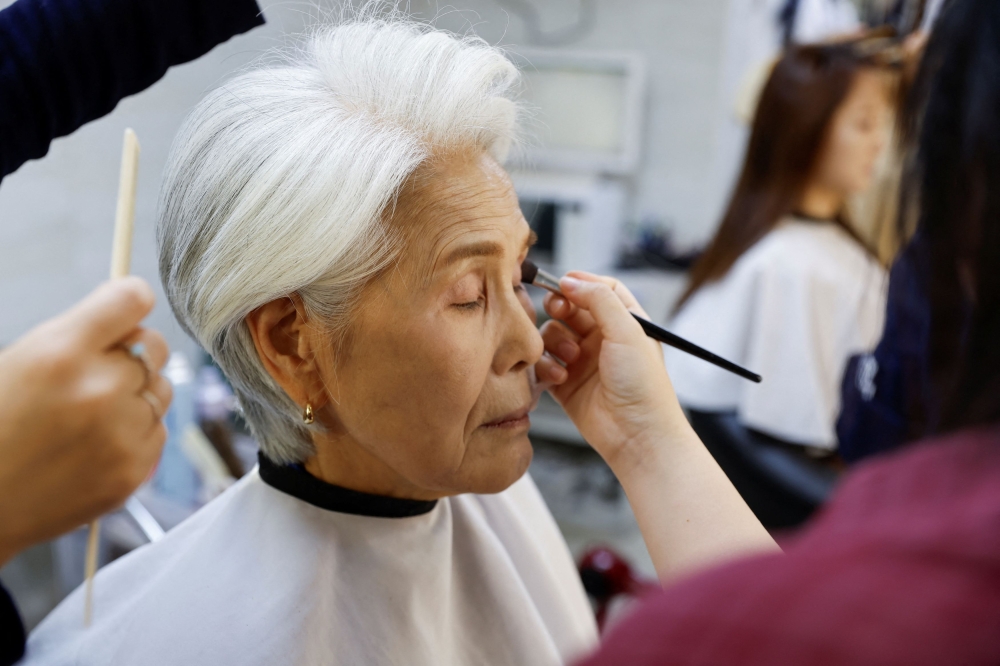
[[515, 419]]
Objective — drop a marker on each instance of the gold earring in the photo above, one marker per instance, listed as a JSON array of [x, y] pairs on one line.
[[307, 415]]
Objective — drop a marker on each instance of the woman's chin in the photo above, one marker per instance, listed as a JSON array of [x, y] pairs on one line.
[[504, 463]]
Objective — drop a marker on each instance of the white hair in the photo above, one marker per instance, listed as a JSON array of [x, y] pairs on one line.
[[279, 183]]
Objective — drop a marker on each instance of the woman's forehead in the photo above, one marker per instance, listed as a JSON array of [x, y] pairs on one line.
[[469, 202]]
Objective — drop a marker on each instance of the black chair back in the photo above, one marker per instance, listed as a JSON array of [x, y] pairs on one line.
[[781, 485]]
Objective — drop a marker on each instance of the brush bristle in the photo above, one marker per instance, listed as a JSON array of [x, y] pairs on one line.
[[529, 271]]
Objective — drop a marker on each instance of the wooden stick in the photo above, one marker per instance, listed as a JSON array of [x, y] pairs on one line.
[[121, 259], [121, 247]]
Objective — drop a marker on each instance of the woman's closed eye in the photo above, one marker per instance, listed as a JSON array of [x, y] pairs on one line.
[[480, 301], [471, 305]]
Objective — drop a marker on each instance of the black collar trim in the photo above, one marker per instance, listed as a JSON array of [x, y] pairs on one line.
[[297, 482]]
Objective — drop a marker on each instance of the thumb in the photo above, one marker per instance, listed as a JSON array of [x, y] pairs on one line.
[[110, 312], [609, 312]]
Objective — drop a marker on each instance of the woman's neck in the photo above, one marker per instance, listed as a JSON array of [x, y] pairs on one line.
[[820, 202], [343, 462]]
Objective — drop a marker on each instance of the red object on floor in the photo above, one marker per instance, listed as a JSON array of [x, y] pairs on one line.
[[901, 567], [607, 575]]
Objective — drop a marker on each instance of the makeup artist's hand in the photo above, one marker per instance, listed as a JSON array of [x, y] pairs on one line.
[[614, 386], [77, 433], [617, 392]]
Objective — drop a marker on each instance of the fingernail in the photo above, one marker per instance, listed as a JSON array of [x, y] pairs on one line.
[[567, 350], [569, 284], [560, 374]]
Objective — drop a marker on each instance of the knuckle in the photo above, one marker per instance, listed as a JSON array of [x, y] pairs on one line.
[[553, 331], [120, 382], [98, 396], [165, 392], [157, 347], [135, 295]]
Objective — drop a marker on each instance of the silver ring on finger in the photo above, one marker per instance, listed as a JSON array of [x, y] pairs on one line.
[[154, 403], [138, 352]]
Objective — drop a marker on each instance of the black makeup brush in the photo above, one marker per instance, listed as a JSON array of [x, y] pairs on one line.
[[532, 274]]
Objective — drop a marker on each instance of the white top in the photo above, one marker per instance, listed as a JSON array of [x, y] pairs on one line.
[[260, 577], [793, 309], [818, 20]]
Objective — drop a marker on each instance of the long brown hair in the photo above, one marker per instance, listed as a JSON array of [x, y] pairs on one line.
[[805, 88]]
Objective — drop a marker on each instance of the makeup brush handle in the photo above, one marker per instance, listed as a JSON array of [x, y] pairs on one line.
[[677, 342]]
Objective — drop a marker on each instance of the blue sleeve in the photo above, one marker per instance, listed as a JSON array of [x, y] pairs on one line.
[[884, 394], [11, 630], [64, 63]]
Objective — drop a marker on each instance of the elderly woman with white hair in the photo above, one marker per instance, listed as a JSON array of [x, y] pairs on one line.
[[338, 232]]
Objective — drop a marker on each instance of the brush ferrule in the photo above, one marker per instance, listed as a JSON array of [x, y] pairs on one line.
[[547, 281]]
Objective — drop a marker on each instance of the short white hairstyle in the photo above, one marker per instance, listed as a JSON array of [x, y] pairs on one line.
[[281, 180]]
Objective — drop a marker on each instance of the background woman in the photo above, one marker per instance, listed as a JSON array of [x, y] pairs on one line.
[[786, 288]]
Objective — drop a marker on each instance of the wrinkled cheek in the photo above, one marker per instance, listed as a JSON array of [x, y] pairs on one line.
[[441, 396]]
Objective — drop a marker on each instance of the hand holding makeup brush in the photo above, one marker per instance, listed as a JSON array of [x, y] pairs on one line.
[[614, 385], [616, 390]]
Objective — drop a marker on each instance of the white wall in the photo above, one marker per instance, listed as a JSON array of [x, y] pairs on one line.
[[682, 41], [56, 213]]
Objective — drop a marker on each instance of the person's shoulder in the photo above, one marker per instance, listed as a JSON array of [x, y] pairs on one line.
[[804, 256], [789, 249], [808, 246]]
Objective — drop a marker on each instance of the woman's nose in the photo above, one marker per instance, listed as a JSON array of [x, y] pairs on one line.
[[522, 344]]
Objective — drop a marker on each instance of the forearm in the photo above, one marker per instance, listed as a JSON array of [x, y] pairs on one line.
[[689, 513]]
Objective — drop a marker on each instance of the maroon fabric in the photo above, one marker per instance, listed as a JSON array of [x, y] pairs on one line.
[[902, 567]]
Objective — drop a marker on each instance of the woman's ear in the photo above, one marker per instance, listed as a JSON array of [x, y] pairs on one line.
[[283, 337]]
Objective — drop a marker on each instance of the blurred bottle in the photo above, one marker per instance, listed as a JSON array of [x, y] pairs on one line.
[[176, 478], [214, 405]]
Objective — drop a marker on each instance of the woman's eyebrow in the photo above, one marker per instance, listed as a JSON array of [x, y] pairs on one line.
[[532, 239], [480, 249], [484, 249]]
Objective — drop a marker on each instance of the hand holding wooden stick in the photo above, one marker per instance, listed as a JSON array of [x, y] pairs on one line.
[[121, 259]]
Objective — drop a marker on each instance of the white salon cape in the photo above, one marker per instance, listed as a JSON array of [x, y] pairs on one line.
[[793, 308], [294, 575], [819, 20]]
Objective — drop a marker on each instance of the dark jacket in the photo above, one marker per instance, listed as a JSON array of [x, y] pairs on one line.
[[886, 396]]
